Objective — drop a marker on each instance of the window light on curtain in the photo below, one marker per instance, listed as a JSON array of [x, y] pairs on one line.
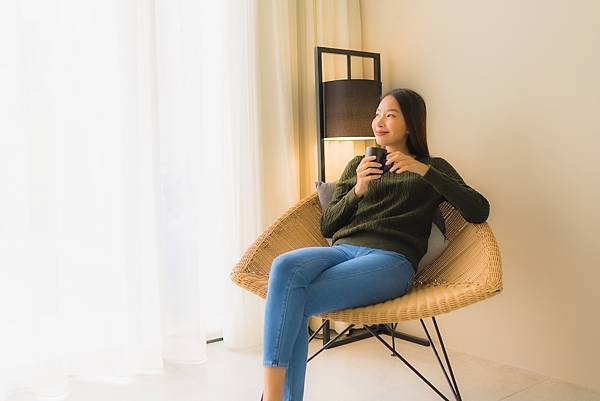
[[111, 173]]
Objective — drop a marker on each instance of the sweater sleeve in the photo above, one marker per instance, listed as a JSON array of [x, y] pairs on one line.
[[344, 201], [473, 206]]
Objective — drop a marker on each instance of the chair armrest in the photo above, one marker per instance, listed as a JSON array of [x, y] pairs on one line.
[[472, 258], [298, 227]]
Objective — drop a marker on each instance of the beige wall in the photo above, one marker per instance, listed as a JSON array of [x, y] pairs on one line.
[[513, 96]]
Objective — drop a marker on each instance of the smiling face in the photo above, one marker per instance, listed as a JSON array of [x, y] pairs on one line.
[[389, 126]]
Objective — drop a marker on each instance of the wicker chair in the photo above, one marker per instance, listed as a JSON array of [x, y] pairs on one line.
[[469, 270]]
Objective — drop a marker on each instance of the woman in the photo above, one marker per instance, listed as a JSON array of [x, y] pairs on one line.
[[379, 220]]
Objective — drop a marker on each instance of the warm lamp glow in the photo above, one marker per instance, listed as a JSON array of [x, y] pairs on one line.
[[338, 152]]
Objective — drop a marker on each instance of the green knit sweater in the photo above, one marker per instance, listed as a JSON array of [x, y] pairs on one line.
[[397, 210]]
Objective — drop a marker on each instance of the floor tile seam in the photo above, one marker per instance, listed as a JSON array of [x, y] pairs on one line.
[[525, 389]]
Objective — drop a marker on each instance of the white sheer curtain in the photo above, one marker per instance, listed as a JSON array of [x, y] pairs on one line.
[[131, 170], [80, 278]]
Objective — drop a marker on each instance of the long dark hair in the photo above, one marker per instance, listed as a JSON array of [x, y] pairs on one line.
[[414, 111]]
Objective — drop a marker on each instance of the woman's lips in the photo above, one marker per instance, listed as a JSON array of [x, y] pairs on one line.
[[380, 133]]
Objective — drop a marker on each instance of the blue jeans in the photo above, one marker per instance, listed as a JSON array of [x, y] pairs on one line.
[[313, 280]]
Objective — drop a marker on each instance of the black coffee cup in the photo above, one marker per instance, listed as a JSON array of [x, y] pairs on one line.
[[380, 155]]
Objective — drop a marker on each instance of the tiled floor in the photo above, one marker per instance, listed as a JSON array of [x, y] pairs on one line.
[[361, 371]]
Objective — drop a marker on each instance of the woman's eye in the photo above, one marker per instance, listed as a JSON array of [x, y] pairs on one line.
[[390, 115]]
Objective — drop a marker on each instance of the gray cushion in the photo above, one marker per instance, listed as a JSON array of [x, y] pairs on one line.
[[437, 238], [325, 191], [436, 244]]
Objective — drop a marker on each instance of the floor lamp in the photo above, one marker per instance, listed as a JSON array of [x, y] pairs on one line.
[[345, 107]]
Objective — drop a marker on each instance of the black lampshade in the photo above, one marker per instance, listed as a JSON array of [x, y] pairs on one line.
[[349, 107]]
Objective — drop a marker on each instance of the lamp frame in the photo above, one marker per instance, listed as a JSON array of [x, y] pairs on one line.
[[319, 91]]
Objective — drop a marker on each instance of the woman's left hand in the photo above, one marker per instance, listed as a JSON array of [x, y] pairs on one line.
[[403, 162]]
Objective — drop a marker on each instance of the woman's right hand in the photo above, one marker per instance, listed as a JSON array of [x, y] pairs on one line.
[[367, 170]]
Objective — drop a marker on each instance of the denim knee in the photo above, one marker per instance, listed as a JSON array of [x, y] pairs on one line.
[[283, 268]]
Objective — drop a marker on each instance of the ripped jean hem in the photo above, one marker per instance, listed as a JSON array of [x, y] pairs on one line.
[[273, 364]]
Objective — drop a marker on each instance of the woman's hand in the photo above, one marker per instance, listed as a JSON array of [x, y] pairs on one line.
[[403, 162], [367, 170]]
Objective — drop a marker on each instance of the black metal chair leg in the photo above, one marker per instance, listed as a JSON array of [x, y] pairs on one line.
[[457, 393], [391, 330], [437, 355], [376, 330], [326, 333], [329, 343], [410, 366]]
